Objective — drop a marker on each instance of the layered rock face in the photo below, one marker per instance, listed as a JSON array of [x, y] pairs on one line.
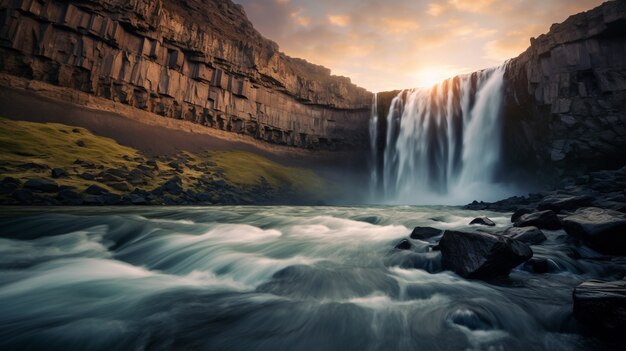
[[197, 60], [566, 94]]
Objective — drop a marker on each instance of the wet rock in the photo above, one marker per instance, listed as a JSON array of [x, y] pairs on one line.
[[481, 255], [543, 220], [528, 235], [518, 213], [483, 221], [601, 306], [69, 197], [559, 202], [602, 229], [537, 265], [59, 173], [96, 190], [404, 244], [423, 233], [41, 185]]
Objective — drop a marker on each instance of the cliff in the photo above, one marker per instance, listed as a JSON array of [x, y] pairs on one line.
[[196, 60], [565, 96]]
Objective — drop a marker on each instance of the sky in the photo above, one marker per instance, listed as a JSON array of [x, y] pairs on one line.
[[394, 44]]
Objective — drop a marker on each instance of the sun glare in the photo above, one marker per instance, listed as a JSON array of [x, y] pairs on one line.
[[428, 77]]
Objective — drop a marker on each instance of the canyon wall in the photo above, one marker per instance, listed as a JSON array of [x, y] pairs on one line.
[[565, 104], [197, 60], [564, 99]]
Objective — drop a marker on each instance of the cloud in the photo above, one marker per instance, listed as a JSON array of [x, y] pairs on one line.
[[385, 45]]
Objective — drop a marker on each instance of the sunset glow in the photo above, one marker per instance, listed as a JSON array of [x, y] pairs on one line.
[[398, 43]]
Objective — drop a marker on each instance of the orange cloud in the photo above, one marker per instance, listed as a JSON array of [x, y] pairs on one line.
[[339, 20]]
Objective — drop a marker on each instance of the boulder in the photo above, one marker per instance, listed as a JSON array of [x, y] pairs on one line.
[[528, 235], [423, 233], [537, 265], [481, 255], [602, 229], [87, 176], [601, 306], [69, 197], [559, 202], [543, 220], [41, 185], [119, 186], [404, 244], [173, 186], [23, 196], [518, 213], [483, 221], [58, 173]]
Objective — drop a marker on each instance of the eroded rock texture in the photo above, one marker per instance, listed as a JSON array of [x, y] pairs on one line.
[[566, 94], [197, 60]]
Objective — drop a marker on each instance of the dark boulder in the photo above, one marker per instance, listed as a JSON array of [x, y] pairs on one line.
[[41, 185], [537, 265], [483, 221], [601, 306], [69, 197], [423, 233], [603, 230], [518, 213], [137, 199], [9, 184], [404, 244], [96, 190], [559, 202], [527, 235], [23, 196], [173, 186], [543, 220], [58, 173], [481, 255]]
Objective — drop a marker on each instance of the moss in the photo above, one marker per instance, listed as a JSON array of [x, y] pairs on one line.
[[57, 145]]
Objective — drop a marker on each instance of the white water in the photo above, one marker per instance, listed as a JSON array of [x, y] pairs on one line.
[[443, 144], [273, 278], [373, 129]]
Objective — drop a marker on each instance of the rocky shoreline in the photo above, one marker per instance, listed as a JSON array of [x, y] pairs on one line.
[[588, 212]]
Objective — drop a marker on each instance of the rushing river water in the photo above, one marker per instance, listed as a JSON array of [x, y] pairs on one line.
[[272, 278]]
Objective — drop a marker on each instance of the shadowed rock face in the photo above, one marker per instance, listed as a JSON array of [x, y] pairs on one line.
[[565, 95], [200, 61]]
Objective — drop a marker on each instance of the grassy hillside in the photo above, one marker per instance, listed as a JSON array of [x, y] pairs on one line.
[[41, 150]]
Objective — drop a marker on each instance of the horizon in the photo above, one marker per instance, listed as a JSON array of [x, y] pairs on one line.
[[406, 45]]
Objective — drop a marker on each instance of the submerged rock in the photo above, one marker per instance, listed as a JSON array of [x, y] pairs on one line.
[[423, 233], [543, 220], [528, 235], [404, 244], [601, 306], [603, 230], [481, 255], [483, 221]]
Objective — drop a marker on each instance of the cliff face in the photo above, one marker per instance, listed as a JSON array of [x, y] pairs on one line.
[[565, 96], [197, 60]]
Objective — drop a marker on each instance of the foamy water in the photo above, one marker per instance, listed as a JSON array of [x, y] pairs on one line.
[[271, 278]]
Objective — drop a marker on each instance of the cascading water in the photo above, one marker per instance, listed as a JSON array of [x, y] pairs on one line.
[[443, 143], [373, 129]]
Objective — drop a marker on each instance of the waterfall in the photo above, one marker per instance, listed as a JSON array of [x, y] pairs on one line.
[[373, 129], [443, 143]]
